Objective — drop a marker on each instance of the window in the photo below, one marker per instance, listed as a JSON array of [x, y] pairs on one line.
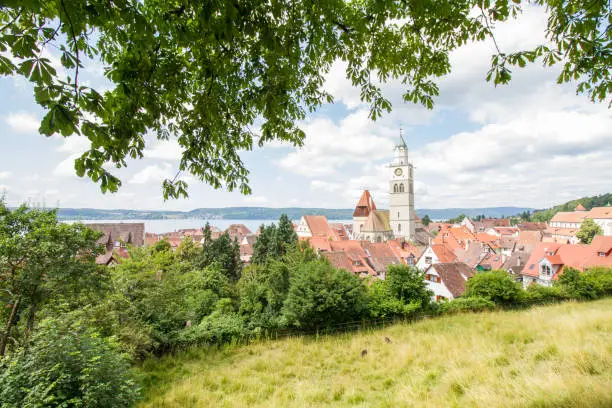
[[395, 188], [356, 262], [401, 188], [603, 254], [432, 278], [546, 271], [399, 227], [428, 260], [440, 298]]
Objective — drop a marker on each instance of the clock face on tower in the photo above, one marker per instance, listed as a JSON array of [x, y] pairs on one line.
[[398, 172]]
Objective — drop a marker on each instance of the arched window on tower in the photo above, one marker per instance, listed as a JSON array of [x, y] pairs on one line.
[[399, 227], [401, 188], [395, 188], [398, 215]]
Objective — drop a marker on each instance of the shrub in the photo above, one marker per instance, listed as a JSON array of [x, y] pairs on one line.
[[577, 285], [219, 327], [321, 296], [69, 367], [601, 278], [467, 304], [497, 286], [537, 294]]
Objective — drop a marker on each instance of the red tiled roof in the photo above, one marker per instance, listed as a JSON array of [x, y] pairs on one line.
[[339, 231], [355, 253], [488, 238], [318, 226], [579, 207], [405, 251], [540, 251], [531, 226], [319, 244], [600, 213], [492, 261], [381, 255], [364, 205], [529, 238], [454, 276], [569, 216], [444, 254]]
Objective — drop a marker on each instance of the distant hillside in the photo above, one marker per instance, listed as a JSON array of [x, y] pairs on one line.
[[587, 202], [264, 213]]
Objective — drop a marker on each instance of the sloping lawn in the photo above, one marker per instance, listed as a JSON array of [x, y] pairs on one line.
[[555, 356]]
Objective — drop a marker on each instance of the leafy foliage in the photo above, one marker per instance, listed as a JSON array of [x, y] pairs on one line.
[[67, 365], [41, 259], [467, 304], [205, 72], [577, 285], [320, 296], [497, 286], [426, 220], [588, 230]]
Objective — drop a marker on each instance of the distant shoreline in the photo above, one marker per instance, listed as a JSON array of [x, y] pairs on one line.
[[265, 213]]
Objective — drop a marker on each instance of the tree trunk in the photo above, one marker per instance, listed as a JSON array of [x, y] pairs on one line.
[[30, 323], [9, 326]]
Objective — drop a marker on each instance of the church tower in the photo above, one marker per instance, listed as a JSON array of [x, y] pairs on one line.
[[401, 193]]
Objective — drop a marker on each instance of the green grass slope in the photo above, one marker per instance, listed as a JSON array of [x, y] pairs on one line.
[[555, 356]]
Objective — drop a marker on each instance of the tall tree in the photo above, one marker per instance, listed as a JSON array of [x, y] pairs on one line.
[[41, 258], [588, 230], [205, 72]]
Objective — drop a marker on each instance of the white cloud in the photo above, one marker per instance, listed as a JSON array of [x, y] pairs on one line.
[[4, 188], [152, 174], [329, 146], [324, 186], [164, 150], [5, 174], [23, 122], [74, 145]]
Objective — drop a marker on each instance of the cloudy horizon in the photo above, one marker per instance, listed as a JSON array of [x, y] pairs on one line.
[[532, 143]]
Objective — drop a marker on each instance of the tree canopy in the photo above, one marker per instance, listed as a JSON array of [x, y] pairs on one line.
[[224, 76]]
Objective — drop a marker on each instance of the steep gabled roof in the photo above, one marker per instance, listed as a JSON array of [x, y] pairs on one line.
[[570, 216], [600, 213], [318, 226], [378, 221], [381, 255], [365, 205], [444, 254], [580, 207], [454, 276]]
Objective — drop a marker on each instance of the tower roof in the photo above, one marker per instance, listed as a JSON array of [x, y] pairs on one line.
[[579, 207], [402, 142], [365, 205]]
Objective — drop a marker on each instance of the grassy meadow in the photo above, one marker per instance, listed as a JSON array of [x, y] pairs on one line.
[[554, 356]]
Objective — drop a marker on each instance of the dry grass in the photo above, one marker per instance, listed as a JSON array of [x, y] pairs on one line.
[[556, 356]]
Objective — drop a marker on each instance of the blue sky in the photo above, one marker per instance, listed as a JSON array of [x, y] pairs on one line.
[[532, 143]]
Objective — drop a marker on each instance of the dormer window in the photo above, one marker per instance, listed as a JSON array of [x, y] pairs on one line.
[[602, 254], [546, 271]]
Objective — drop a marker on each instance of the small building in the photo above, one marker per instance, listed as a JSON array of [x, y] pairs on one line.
[[447, 281], [116, 238], [434, 254]]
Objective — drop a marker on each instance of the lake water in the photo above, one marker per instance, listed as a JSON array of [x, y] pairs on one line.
[[159, 226]]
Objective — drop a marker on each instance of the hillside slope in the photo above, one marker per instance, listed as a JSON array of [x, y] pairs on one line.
[[587, 202], [555, 356]]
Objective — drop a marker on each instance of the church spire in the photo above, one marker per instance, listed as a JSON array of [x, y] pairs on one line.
[[402, 141]]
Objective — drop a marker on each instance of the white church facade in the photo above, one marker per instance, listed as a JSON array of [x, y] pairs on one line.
[[371, 224]]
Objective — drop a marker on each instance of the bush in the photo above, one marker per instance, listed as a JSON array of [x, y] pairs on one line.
[[577, 285], [601, 278], [220, 327], [467, 304], [403, 293], [537, 294], [321, 296], [497, 286], [67, 366]]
